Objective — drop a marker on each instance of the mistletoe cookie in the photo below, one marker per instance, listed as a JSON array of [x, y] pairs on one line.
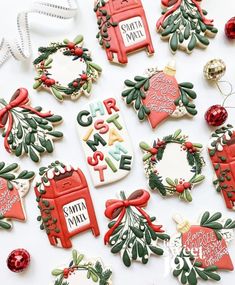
[[221, 151], [200, 250], [105, 141], [65, 203], [27, 130], [123, 28], [173, 165], [82, 272], [14, 186], [66, 69], [184, 25], [131, 231], [157, 96]]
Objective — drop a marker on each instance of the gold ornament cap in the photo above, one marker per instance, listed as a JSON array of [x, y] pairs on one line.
[[170, 68], [183, 226]]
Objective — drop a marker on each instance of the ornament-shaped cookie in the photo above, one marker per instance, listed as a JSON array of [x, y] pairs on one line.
[[157, 95], [173, 165], [131, 231], [66, 69], [184, 25], [14, 186], [199, 251], [222, 152], [82, 271], [105, 141], [123, 28], [65, 203], [27, 130]]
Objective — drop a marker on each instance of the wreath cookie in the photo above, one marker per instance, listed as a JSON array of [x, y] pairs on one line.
[[82, 272], [162, 161], [58, 62], [184, 25], [157, 96], [27, 130]]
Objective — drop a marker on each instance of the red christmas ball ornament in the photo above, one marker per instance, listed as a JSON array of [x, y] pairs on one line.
[[230, 28], [18, 260], [216, 115]]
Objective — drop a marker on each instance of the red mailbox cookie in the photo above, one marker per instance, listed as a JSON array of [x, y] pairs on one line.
[[123, 28], [222, 154], [65, 203]]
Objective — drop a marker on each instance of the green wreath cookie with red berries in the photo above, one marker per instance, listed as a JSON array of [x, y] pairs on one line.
[[173, 165], [66, 69]]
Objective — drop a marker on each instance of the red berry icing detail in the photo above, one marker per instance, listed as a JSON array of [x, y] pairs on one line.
[[230, 29], [84, 77], [71, 45], [153, 151], [216, 115], [75, 84], [187, 185], [18, 260], [78, 51], [188, 145], [180, 188], [43, 77]]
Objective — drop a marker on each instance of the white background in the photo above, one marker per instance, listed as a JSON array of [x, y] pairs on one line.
[[189, 68]]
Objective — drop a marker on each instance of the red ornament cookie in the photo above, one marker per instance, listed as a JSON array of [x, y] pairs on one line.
[[65, 203], [200, 250], [222, 152], [230, 29], [157, 95], [14, 186], [123, 28]]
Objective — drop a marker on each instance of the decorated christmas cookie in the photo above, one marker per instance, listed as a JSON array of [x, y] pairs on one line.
[[173, 165], [157, 96], [14, 186], [131, 231], [105, 141], [222, 152], [27, 130], [66, 69], [82, 271], [184, 25], [65, 203], [123, 28], [200, 250]]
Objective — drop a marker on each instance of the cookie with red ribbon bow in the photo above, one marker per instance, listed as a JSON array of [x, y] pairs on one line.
[[132, 232], [200, 250], [184, 25], [27, 130], [14, 186]]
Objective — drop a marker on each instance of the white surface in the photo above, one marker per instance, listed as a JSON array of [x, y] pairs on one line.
[[189, 68]]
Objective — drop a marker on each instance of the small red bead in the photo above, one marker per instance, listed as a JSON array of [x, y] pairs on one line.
[[230, 28], [18, 260], [216, 115]]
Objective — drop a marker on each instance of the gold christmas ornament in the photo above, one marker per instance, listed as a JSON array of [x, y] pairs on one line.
[[214, 70]]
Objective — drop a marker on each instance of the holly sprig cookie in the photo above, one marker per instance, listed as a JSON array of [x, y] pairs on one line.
[[131, 231], [184, 25], [14, 185], [186, 150], [94, 271], [73, 51], [27, 130]]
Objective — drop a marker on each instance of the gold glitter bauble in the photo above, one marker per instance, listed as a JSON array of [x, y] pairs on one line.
[[214, 69]]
